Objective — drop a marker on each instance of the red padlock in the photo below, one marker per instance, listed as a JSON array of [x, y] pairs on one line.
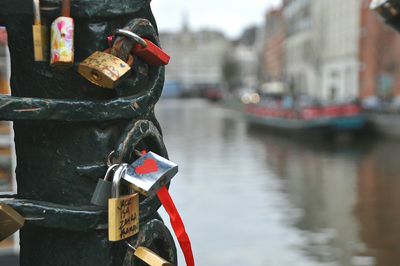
[[146, 50], [151, 54]]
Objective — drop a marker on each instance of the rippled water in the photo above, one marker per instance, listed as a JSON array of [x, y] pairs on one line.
[[250, 198]]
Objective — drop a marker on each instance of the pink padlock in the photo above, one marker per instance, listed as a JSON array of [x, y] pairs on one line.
[[62, 38]]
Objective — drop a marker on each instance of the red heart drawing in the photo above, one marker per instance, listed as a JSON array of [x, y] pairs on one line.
[[149, 166]]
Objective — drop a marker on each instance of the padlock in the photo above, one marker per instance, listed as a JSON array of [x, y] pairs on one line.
[[148, 174], [148, 256], [145, 49], [109, 68], [40, 35], [10, 221], [105, 70], [151, 54], [123, 211], [103, 189], [62, 38]]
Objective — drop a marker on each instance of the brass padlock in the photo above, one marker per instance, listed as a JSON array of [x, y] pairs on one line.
[[10, 221], [40, 35], [123, 211], [105, 70], [150, 257]]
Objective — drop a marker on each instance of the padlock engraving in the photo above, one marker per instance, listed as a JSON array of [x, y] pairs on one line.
[[123, 211], [123, 217], [104, 69]]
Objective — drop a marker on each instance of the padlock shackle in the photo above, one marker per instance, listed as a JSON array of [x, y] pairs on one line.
[[131, 35], [109, 159], [36, 12], [117, 180], [66, 8], [109, 170], [130, 246]]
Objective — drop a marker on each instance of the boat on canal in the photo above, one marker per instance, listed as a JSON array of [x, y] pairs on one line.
[[328, 118]]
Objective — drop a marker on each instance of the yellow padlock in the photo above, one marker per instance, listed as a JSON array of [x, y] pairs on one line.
[[123, 211], [104, 70], [150, 257], [107, 69], [40, 35], [10, 221]]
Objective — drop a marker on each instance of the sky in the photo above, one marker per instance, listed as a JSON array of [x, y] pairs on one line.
[[230, 16]]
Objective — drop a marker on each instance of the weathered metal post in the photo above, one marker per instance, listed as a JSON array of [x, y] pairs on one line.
[[65, 128]]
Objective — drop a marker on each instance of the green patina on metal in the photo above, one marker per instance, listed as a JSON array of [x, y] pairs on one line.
[[65, 128]]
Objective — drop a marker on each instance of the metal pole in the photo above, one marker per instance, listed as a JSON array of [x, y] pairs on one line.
[[66, 127]]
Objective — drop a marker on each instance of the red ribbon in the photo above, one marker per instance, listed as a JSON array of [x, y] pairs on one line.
[[177, 225]]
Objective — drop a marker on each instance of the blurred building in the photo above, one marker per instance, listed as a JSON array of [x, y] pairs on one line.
[[246, 59], [337, 25], [196, 57], [245, 53], [333, 50], [273, 50], [300, 47], [379, 56]]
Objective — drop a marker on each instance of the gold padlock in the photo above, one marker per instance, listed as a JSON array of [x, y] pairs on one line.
[[105, 70], [123, 211], [150, 257], [40, 35], [10, 221]]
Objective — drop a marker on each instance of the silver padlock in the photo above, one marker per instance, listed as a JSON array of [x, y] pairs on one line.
[[148, 174]]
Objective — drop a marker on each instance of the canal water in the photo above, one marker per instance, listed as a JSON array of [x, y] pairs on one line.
[[250, 198]]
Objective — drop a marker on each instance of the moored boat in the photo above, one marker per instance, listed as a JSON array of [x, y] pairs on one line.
[[334, 118]]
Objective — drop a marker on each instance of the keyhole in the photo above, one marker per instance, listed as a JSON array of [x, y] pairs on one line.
[[96, 76]]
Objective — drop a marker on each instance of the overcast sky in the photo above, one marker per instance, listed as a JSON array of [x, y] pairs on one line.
[[231, 16]]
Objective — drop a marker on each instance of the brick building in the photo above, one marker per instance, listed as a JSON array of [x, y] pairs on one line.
[[379, 56], [273, 55], [332, 50]]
